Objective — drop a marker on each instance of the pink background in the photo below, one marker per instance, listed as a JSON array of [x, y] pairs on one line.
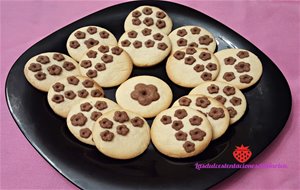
[[272, 26]]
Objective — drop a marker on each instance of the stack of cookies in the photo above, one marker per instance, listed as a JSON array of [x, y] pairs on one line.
[[97, 60]]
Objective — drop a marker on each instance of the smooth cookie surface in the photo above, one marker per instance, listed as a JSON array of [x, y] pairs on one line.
[[107, 65], [145, 46], [189, 67], [83, 116], [86, 37], [230, 96], [43, 69], [181, 132], [214, 111], [239, 67], [192, 36], [145, 95], [148, 16], [69, 91], [121, 134]]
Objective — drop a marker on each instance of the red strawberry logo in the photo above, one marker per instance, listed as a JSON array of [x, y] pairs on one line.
[[242, 153]]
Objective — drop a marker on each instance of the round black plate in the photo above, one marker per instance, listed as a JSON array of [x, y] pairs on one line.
[[87, 168]]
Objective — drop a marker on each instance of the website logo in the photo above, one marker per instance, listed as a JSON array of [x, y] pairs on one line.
[[242, 153]]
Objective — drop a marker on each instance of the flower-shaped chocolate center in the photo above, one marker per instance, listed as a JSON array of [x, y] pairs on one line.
[[242, 67], [145, 94]]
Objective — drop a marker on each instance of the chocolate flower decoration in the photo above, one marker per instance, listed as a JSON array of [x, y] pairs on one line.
[[242, 67], [145, 94], [216, 113]]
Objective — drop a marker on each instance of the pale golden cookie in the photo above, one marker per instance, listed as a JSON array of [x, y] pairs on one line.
[[148, 16], [144, 95], [230, 96], [121, 134], [192, 36], [239, 67], [145, 46], [214, 111], [69, 91], [45, 68], [83, 116], [181, 132], [86, 37], [107, 65], [189, 67]]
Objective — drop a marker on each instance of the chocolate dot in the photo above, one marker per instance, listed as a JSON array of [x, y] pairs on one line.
[[203, 102], [243, 54], [199, 68], [148, 21], [162, 46], [85, 133], [79, 35], [125, 43], [189, 147], [232, 112], [78, 119], [101, 105], [180, 136], [96, 93], [181, 32], [91, 42], [107, 58], [235, 101], [204, 56], [149, 43], [195, 30], [242, 67], [194, 45], [137, 122], [100, 67], [54, 70], [177, 125], [160, 24], [145, 94], [121, 116], [58, 57], [206, 76], [137, 44], [34, 67], [184, 101], [68, 66], [189, 60], [58, 87], [86, 107], [88, 83], [103, 49], [197, 134], [91, 73], [95, 115], [181, 42], [43, 59], [228, 76], [104, 34], [91, 30], [106, 123], [69, 94], [73, 80], [83, 93], [205, 40], [146, 32], [74, 44], [116, 50], [213, 89], [195, 120], [136, 13], [136, 21], [220, 99], [132, 34], [107, 135], [160, 14], [166, 119], [229, 61], [40, 76], [180, 113], [229, 90], [86, 63], [57, 98], [211, 66], [246, 78], [179, 55], [147, 11], [158, 36], [91, 54], [122, 130], [216, 113]]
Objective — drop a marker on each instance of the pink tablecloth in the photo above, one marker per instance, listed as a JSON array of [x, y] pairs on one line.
[[272, 26]]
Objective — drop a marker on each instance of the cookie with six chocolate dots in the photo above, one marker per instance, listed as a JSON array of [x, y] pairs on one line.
[[144, 95], [83, 116], [145, 46], [69, 91], [121, 134], [239, 67], [41, 70], [86, 37], [230, 96], [192, 36], [148, 16], [190, 67], [107, 65], [214, 111], [181, 132]]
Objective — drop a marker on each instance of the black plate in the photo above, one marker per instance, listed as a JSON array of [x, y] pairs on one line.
[[84, 166]]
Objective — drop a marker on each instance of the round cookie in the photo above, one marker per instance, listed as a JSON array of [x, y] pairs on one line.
[[86, 37], [181, 132], [69, 91], [230, 96], [42, 69], [239, 67], [145, 46], [107, 65], [83, 116], [189, 67], [192, 36], [121, 134], [148, 16], [214, 111], [144, 95]]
